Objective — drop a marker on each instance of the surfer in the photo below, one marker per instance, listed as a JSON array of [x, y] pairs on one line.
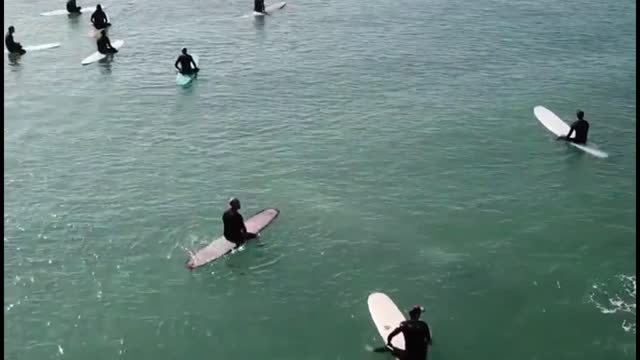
[[99, 18], [417, 337], [12, 46], [185, 60], [104, 45], [258, 6], [580, 127], [234, 229], [72, 7]]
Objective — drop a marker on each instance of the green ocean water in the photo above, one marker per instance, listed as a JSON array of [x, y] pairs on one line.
[[398, 141]]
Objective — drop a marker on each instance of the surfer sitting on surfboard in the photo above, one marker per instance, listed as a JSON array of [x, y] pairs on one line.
[[72, 7], [234, 229], [104, 45], [185, 60], [99, 18], [580, 127], [258, 6], [12, 46], [417, 337]]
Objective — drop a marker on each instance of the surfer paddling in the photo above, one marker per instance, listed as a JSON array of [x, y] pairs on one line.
[[185, 60], [580, 127], [417, 337], [234, 229]]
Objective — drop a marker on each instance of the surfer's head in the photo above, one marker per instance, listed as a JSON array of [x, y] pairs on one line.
[[234, 203], [98, 7], [12, 29], [580, 114], [184, 51], [415, 312], [103, 32]]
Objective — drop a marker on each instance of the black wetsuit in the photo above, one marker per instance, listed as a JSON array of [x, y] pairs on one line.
[[72, 8], [185, 64], [581, 128], [234, 229], [258, 6], [104, 46], [13, 46], [417, 338], [99, 19]]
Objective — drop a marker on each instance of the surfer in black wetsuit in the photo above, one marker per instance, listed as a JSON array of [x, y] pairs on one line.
[[258, 6], [185, 60], [104, 45], [72, 7], [580, 127], [99, 18], [12, 46], [417, 337], [234, 229]]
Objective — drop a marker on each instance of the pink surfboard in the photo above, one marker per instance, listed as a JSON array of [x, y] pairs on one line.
[[221, 246]]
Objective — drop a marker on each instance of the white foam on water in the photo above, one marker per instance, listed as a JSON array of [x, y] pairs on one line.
[[628, 326], [618, 296]]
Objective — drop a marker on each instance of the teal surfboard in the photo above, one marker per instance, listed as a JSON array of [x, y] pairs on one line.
[[184, 80]]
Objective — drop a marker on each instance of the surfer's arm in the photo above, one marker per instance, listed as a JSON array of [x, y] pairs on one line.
[[195, 66], [571, 131], [9, 41], [392, 335], [176, 66], [566, 137], [240, 220]]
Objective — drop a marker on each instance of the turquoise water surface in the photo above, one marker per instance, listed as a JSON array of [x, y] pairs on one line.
[[397, 139]]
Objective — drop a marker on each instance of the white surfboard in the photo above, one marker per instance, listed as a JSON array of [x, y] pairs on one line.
[[184, 80], [269, 9], [559, 128], [38, 47], [221, 246], [97, 56], [65, 12], [387, 317]]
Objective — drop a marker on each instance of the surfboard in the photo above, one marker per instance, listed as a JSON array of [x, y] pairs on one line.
[[559, 128], [184, 80], [65, 12], [387, 317], [269, 9], [221, 246], [97, 56], [37, 47]]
